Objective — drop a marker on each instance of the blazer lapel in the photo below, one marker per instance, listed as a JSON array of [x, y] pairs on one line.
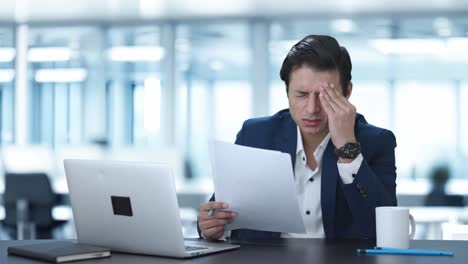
[[328, 190], [286, 137]]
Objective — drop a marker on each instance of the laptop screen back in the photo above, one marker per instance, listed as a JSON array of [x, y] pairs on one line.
[[125, 206]]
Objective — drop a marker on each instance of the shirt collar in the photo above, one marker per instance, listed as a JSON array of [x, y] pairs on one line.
[[318, 153], [300, 146]]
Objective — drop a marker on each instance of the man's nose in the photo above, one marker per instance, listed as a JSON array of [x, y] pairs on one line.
[[313, 103]]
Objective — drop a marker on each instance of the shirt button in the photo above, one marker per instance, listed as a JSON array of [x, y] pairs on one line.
[[311, 179], [307, 212], [354, 175], [303, 158]]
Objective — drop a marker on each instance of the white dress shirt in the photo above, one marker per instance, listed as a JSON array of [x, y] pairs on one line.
[[308, 186]]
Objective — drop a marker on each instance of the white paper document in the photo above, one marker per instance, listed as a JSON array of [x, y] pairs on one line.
[[259, 185]]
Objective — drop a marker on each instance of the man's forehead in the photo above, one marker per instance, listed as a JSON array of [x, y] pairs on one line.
[[313, 84], [309, 87], [309, 79]]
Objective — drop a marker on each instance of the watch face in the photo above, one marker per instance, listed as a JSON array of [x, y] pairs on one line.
[[349, 151]]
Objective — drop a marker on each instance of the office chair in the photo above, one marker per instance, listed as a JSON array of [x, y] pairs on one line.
[[32, 194]]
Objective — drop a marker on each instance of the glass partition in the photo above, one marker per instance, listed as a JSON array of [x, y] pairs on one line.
[[7, 79]]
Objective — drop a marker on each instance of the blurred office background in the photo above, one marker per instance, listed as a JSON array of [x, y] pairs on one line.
[[152, 80]]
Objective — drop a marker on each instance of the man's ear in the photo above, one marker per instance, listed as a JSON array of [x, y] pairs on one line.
[[350, 89]]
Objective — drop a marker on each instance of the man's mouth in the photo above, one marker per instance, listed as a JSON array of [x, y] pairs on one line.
[[311, 122]]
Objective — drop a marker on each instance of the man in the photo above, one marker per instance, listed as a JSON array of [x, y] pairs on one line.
[[344, 167]]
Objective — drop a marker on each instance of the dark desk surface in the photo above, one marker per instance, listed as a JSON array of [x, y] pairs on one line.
[[311, 251]]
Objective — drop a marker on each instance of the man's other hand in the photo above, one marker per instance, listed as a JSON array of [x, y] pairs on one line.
[[212, 224]]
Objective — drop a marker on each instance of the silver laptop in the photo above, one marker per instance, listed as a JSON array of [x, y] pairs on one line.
[[130, 207]]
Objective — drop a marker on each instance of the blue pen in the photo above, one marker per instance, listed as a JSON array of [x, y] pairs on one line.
[[397, 251], [442, 253]]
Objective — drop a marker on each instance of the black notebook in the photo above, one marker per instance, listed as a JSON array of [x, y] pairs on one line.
[[59, 251]]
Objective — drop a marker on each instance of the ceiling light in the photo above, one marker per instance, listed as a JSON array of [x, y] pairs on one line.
[[60, 75], [49, 54], [136, 53]]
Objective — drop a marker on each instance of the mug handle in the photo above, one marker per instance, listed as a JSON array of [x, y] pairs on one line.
[[413, 227]]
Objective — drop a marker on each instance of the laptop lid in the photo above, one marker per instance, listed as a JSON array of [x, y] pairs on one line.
[[125, 206]]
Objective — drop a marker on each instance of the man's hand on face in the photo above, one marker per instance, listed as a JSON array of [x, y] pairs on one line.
[[341, 115], [212, 226]]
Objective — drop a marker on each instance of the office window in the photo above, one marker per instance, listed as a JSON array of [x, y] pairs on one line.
[[7, 78], [134, 88], [373, 101], [214, 91], [425, 126], [61, 71], [278, 97], [232, 108]]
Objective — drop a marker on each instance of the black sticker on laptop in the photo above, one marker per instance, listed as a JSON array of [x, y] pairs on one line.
[[121, 205]]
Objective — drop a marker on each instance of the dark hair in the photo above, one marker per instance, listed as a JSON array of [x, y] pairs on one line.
[[322, 53]]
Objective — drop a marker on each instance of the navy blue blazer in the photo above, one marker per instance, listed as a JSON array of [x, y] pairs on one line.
[[348, 210]]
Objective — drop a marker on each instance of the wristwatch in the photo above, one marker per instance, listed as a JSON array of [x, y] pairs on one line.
[[349, 151]]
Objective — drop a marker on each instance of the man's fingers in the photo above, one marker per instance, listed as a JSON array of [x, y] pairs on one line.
[[214, 233], [326, 106], [224, 214], [334, 99], [219, 234], [341, 98], [207, 224], [203, 215], [213, 205], [329, 102]]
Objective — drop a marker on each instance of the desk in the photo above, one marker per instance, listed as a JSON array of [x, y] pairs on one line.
[[284, 251]]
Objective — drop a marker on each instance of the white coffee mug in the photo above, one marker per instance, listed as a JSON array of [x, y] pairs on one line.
[[393, 227]]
